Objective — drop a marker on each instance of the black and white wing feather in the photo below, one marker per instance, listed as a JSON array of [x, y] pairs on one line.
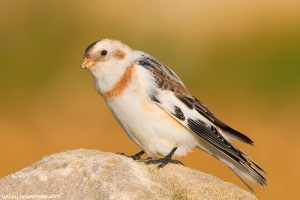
[[195, 116]]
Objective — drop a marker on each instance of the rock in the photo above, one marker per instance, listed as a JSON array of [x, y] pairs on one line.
[[92, 174]]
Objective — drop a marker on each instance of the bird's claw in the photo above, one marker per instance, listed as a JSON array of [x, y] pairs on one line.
[[161, 161], [134, 157]]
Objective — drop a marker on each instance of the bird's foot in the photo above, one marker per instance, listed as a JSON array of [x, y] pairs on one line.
[[134, 157], [161, 161]]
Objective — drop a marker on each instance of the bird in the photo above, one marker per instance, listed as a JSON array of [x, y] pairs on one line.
[[159, 114]]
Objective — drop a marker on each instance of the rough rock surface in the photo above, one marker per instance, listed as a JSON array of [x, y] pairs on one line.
[[92, 174]]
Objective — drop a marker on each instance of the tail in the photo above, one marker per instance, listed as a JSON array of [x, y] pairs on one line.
[[214, 142], [242, 165]]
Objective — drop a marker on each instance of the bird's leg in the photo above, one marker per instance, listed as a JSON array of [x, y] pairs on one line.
[[162, 161], [135, 156]]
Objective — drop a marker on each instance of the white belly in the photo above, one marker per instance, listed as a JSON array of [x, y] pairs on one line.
[[150, 127]]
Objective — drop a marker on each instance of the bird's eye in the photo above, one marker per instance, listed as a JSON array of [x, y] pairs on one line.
[[103, 53]]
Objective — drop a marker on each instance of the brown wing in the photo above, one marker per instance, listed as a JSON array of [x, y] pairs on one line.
[[230, 132], [166, 79]]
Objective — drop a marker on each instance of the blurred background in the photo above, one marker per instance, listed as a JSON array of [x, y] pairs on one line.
[[241, 58]]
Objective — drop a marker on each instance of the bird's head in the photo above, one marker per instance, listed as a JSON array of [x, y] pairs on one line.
[[107, 60], [104, 52]]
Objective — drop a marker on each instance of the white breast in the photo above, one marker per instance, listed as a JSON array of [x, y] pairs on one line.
[[150, 127]]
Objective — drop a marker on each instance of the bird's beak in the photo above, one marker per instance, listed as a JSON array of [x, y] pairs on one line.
[[87, 63]]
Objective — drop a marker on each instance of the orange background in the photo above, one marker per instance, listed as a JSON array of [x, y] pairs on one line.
[[241, 58]]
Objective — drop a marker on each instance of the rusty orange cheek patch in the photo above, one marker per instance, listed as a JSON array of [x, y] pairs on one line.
[[121, 85], [119, 54]]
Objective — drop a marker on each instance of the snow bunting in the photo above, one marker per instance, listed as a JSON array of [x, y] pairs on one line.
[[157, 111]]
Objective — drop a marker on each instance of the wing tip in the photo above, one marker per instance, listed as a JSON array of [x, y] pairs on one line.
[[230, 132]]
